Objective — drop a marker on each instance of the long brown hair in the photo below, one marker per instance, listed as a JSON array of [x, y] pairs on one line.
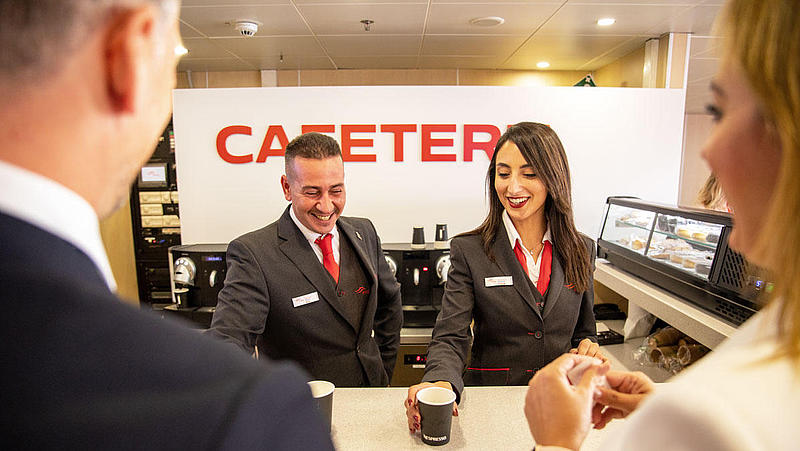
[[542, 149]]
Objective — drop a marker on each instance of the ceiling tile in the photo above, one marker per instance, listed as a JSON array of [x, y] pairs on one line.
[[233, 2], [376, 62], [520, 18], [291, 62], [204, 48], [631, 19], [342, 19], [562, 52], [498, 46], [371, 45], [460, 62], [698, 20], [216, 21], [265, 46], [614, 53], [320, 2], [188, 31], [213, 64]]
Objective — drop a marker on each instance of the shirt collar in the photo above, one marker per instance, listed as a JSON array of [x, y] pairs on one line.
[[311, 235], [56, 209], [513, 235]]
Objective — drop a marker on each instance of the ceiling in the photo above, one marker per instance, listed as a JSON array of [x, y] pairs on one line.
[[437, 34]]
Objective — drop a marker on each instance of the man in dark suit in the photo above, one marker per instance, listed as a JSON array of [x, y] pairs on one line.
[[84, 92], [314, 286]]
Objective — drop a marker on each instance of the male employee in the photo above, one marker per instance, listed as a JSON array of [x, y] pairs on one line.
[[314, 286], [84, 92]]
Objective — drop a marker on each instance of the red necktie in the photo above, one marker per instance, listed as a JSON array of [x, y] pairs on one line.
[[324, 243], [544, 266]]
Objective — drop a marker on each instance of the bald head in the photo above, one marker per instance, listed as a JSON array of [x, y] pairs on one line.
[[37, 37]]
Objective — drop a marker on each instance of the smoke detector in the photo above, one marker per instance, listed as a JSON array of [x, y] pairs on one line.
[[246, 28]]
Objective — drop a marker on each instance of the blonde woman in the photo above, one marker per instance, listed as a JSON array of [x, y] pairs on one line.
[[746, 394]]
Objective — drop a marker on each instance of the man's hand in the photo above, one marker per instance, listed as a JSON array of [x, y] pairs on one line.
[[412, 411], [558, 413], [627, 390], [589, 348]]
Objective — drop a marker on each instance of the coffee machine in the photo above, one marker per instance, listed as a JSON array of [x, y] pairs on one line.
[[197, 273], [422, 273]]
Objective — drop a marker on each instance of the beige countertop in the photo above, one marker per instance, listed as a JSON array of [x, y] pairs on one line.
[[490, 418]]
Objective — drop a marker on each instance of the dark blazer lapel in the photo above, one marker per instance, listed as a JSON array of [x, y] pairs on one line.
[[509, 265], [298, 250], [556, 285], [359, 244], [357, 240]]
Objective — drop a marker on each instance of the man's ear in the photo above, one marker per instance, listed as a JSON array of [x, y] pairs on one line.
[[129, 49], [285, 186]]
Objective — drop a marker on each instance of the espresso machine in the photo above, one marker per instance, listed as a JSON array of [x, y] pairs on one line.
[[197, 273], [421, 269]]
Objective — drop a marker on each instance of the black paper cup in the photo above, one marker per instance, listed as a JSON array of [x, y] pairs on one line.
[[322, 391], [436, 414]]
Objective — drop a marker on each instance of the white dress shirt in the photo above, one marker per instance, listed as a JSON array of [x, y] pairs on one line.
[[56, 209], [513, 237], [312, 236]]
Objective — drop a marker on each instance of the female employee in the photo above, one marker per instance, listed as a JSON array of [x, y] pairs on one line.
[[524, 276], [746, 394]]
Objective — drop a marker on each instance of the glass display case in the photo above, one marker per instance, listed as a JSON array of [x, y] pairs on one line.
[[684, 251]]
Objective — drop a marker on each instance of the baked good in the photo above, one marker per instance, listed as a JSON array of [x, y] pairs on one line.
[[712, 238], [683, 232], [689, 262], [699, 236]]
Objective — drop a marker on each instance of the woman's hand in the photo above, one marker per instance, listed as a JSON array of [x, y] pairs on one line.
[[412, 411], [628, 389], [558, 413], [589, 348]]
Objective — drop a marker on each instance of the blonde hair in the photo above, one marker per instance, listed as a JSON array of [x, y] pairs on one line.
[[710, 195], [764, 38]]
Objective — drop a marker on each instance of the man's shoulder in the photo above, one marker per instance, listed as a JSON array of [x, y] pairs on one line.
[[362, 225], [268, 232], [467, 240]]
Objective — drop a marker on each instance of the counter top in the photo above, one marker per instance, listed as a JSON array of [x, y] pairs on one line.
[[704, 327], [489, 418]]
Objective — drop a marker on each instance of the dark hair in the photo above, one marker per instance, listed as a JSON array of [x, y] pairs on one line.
[[542, 149], [311, 145]]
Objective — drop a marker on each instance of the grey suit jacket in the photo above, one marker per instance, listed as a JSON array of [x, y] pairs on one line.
[[270, 267], [513, 339]]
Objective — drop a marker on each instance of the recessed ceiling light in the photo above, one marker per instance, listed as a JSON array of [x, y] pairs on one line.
[[489, 21], [606, 21], [542, 64], [180, 50]]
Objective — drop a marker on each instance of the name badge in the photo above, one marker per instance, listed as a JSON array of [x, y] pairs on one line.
[[305, 299], [499, 281]]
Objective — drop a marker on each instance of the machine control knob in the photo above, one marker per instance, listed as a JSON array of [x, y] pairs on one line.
[[185, 271], [416, 276], [212, 278], [392, 264], [442, 267]]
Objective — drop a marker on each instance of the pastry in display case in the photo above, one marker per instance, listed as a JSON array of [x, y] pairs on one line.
[[682, 250]]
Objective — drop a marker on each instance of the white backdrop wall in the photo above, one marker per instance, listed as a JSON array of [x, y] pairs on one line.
[[619, 141]]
